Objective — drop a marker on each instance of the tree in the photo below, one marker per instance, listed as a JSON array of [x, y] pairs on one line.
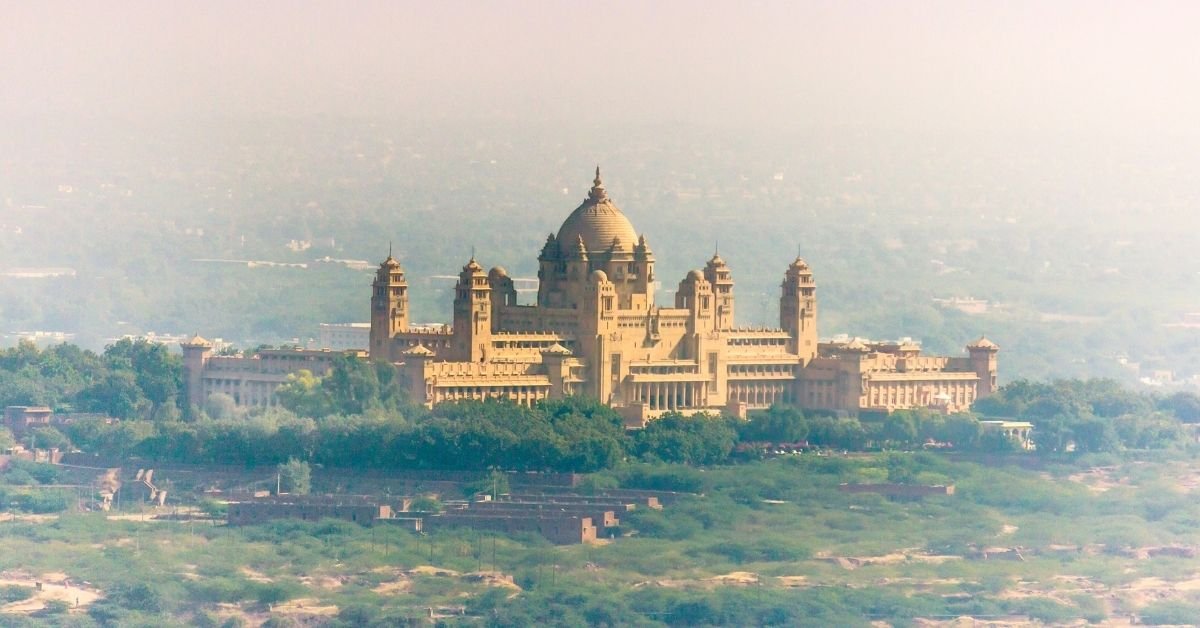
[[900, 428], [116, 394], [1184, 405], [778, 424], [352, 385], [494, 484], [295, 477], [303, 394], [1051, 434], [220, 406], [158, 373], [1094, 434], [696, 439]]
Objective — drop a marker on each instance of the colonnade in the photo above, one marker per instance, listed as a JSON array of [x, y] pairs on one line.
[[672, 395], [760, 394]]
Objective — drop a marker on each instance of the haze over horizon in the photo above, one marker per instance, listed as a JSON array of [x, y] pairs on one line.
[[1030, 67]]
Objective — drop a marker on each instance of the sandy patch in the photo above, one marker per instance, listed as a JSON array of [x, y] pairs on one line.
[[1099, 479], [255, 576], [134, 516], [26, 518], [305, 606], [736, 577], [322, 582], [393, 587], [492, 579], [1008, 529], [430, 570], [971, 622], [854, 562], [55, 586], [792, 581]]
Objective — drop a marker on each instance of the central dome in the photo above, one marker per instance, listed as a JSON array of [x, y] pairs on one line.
[[598, 222]]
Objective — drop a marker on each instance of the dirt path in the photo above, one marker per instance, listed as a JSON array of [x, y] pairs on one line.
[[55, 586]]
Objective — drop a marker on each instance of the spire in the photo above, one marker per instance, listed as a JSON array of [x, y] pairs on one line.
[[389, 248], [597, 193], [580, 249]]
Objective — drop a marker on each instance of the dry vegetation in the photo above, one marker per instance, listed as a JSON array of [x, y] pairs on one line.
[[771, 542]]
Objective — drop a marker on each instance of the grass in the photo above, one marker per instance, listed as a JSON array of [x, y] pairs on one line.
[[197, 572]]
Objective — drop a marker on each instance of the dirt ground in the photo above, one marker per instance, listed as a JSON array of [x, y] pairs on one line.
[[55, 586]]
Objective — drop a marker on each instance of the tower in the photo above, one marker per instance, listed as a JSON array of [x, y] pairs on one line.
[[389, 308], [717, 273], [472, 314], [643, 268], [798, 309], [695, 294], [550, 270], [196, 352], [598, 321], [983, 362], [504, 293]]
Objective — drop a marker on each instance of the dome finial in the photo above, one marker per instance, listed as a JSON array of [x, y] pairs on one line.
[[597, 193]]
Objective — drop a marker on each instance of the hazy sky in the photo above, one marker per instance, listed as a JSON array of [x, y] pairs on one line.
[[1127, 67]]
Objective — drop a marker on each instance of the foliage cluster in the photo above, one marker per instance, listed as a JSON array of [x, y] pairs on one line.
[[1095, 415], [130, 379]]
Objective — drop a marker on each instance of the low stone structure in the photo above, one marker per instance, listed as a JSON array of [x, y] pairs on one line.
[[21, 419], [361, 510], [1020, 432]]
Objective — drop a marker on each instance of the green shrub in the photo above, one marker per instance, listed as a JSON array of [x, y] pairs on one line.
[[425, 503], [1170, 612], [42, 502], [1044, 609], [760, 550], [213, 508], [664, 478], [14, 593], [19, 477], [276, 592], [656, 524], [213, 590], [138, 597], [56, 607]]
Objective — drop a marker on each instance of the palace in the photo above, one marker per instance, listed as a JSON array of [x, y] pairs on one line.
[[597, 330]]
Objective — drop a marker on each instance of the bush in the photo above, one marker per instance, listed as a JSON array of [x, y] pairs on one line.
[[213, 590], [295, 477], [664, 478], [275, 592], [14, 593], [56, 607], [654, 523], [41, 502], [31, 472], [19, 477], [1045, 610], [137, 597], [1170, 612], [213, 508], [425, 503], [760, 550]]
